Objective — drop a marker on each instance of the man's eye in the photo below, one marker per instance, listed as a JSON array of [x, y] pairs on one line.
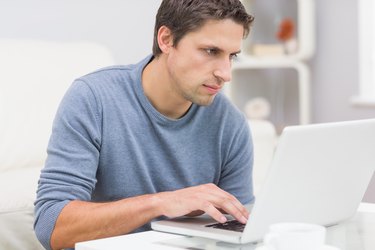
[[233, 56], [212, 51]]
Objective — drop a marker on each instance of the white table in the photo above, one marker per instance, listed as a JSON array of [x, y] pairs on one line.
[[358, 233]]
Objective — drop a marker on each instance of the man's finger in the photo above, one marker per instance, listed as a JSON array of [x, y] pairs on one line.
[[212, 211]]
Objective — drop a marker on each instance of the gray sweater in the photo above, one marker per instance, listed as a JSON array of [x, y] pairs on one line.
[[108, 142]]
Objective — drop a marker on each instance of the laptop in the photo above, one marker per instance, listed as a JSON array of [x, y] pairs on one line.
[[319, 174]]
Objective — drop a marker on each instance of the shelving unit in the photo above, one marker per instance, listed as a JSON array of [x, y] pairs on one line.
[[283, 79], [302, 80]]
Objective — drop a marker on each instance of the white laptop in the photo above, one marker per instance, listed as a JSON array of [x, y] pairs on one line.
[[319, 174]]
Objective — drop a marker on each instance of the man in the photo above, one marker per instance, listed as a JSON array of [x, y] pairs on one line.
[[133, 143]]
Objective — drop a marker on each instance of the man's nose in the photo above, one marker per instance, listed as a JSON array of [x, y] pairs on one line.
[[224, 70]]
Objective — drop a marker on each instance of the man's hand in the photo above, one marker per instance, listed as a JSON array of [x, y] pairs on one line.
[[206, 198]]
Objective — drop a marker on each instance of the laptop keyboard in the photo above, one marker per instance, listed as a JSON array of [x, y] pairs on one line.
[[232, 225]]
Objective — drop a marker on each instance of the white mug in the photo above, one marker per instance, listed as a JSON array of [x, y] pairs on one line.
[[295, 236]]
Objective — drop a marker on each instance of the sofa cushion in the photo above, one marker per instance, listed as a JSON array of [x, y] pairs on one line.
[[18, 192], [34, 76]]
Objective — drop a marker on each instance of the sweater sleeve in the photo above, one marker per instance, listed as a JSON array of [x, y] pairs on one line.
[[236, 176], [73, 153]]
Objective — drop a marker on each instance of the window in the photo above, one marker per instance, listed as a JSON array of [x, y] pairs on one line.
[[366, 18]]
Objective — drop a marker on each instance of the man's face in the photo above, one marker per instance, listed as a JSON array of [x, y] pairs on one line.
[[201, 63]]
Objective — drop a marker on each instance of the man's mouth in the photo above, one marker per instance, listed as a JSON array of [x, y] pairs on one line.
[[212, 89]]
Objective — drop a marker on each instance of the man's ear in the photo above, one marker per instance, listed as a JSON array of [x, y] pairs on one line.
[[165, 39]]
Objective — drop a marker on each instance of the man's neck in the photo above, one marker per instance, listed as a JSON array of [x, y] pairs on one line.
[[157, 88]]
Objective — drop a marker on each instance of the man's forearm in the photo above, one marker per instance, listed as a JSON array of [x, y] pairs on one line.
[[81, 221]]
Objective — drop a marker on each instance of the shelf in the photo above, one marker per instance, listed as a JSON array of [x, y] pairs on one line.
[[268, 14], [271, 70], [244, 62], [250, 67]]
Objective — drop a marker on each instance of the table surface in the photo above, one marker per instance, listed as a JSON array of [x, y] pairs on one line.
[[357, 233]]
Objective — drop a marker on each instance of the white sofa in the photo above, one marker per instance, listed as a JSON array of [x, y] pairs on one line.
[[34, 75]]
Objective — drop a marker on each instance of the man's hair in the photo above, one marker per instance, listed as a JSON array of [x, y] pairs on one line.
[[184, 16]]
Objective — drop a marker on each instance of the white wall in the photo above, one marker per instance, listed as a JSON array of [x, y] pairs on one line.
[[126, 27], [335, 70]]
